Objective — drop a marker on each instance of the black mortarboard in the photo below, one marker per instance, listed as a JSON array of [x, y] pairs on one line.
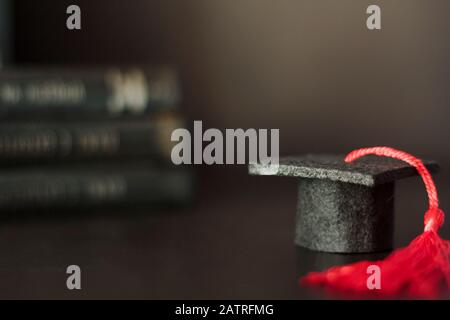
[[343, 207]]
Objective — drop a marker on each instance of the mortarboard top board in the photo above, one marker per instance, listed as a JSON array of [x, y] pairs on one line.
[[344, 207]]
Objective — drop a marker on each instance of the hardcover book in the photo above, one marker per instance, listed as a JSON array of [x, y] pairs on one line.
[[89, 93], [95, 185], [56, 142]]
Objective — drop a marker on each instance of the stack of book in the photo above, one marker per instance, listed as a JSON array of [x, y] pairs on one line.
[[74, 138]]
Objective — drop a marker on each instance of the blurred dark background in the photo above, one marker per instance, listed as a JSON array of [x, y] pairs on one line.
[[309, 68]]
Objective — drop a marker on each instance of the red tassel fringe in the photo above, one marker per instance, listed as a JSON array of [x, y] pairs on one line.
[[422, 269]]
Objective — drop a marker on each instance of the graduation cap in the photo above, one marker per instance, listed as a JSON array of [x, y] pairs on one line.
[[344, 207]]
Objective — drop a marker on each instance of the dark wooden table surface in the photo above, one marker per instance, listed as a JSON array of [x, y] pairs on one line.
[[236, 242]]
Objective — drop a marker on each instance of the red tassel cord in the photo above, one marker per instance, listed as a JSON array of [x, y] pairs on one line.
[[422, 269]]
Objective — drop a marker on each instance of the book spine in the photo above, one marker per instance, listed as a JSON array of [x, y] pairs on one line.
[[90, 93], [57, 142], [80, 189]]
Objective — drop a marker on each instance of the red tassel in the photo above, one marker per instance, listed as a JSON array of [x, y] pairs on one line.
[[422, 269]]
